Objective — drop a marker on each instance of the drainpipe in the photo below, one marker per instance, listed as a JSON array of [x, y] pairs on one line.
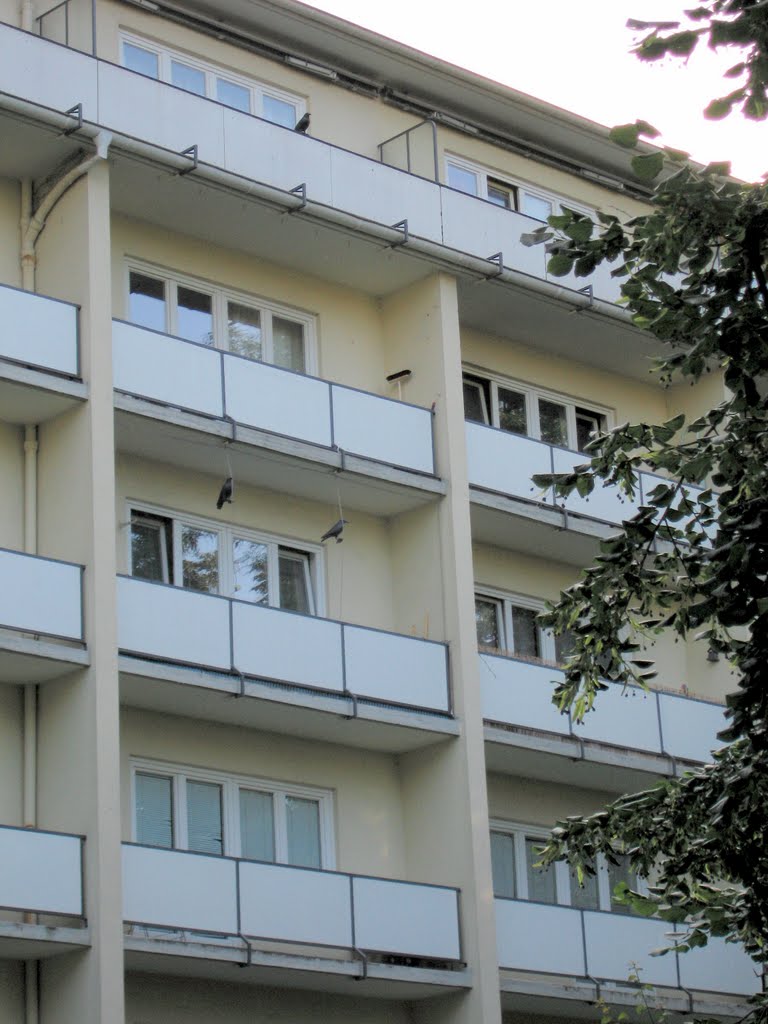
[[27, 16]]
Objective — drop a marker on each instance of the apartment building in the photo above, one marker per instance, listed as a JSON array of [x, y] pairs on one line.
[[277, 740]]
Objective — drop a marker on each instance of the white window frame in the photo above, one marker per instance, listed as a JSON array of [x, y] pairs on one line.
[[220, 296], [231, 785], [212, 72], [226, 533], [521, 832], [532, 394], [506, 602]]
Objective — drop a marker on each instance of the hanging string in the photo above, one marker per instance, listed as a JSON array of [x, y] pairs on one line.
[[341, 553]]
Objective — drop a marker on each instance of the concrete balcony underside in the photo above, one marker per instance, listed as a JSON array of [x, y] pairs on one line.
[[39, 941], [192, 441], [30, 395], [24, 659], [292, 710]]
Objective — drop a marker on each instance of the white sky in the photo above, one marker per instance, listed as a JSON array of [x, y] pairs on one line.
[[575, 53]]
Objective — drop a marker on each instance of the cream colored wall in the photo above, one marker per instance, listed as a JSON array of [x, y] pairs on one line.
[[9, 12], [155, 999], [520, 574], [534, 802], [10, 268], [11, 716], [12, 491], [366, 785]]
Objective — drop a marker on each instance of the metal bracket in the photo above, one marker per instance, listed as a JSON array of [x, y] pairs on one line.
[[249, 948], [402, 225], [191, 153], [353, 698], [241, 676], [233, 423], [364, 962], [498, 258], [589, 291], [76, 111], [301, 192]]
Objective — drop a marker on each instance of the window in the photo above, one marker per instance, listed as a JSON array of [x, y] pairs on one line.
[[216, 559], [508, 625], [517, 874], [209, 812], [199, 312], [530, 412], [205, 79]]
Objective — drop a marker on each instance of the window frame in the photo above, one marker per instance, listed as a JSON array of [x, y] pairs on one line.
[[506, 602], [220, 297], [231, 784], [227, 532], [256, 87]]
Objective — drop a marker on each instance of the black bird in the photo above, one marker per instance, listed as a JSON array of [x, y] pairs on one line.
[[225, 494], [302, 125], [335, 531]]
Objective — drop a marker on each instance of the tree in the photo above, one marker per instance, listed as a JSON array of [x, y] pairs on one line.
[[694, 559]]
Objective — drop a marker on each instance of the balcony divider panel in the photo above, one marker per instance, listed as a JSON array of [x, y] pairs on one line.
[[520, 693], [615, 942], [626, 717], [504, 462], [40, 595], [47, 73], [606, 503], [481, 228], [539, 937], [41, 871], [719, 966], [382, 429], [392, 667], [406, 918], [690, 727], [38, 331]]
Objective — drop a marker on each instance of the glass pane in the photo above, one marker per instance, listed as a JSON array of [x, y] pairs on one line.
[[204, 826], [503, 864], [279, 112], [564, 643], [154, 810], [146, 301], [148, 550], [287, 344], [244, 330], [588, 425], [251, 571], [135, 58], [257, 825], [618, 873], [533, 206], [463, 180], [525, 633], [487, 623], [194, 315], [586, 895], [541, 881], [303, 826], [293, 582], [500, 195], [553, 423], [475, 409], [236, 96], [200, 559], [191, 79], [512, 415]]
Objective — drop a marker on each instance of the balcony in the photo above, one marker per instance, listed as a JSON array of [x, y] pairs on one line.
[[41, 599], [39, 357], [188, 653], [288, 923], [545, 939], [288, 431], [41, 874], [633, 730]]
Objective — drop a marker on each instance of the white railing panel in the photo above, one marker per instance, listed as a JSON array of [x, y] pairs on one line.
[[690, 727], [719, 966], [41, 72], [40, 871], [482, 229], [159, 113], [173, 624], [385, 195], [520, 693], [381, 429], [295, 905], [274, 644], [400, 669], [504, 462], [406, 918], [166, 369], [625, 717], [276, 156], [174, 889], [272, 399], [606, 503], [616, 941], [604, 286], [38, 331], [537, 937], [40, 596]]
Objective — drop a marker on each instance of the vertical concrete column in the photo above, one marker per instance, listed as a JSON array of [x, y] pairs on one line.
[[444, 786], [79, 717]]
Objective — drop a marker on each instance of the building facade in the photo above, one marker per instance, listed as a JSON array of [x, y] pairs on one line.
[[277, 740]]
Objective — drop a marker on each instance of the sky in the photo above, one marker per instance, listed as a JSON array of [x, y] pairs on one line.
[[575, 54]]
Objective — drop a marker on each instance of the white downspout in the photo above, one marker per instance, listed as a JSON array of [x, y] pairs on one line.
[[27, 16]]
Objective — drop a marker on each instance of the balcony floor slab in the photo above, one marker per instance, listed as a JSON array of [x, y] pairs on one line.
[[26, 660], [177, 690], [20, 941], [30, 395]]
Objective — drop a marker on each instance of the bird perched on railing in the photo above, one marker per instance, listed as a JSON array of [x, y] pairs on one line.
[[302, 124], [225, 494], [335, 531]]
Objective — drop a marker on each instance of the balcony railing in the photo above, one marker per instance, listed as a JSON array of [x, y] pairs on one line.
[[519, 693], [41, 596], [155, 112], [41, 872], [551, 939], [227, 896], [206, 380], [39, 332], [182, 626]]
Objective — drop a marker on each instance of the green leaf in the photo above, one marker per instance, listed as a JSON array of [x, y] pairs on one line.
[[720, 108], [648, 166], [627, 135], [559, 264], [580, 230]]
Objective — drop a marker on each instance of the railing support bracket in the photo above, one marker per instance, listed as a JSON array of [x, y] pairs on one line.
[[76, 112], [301, 192], [402, 226], [191, 154], [364, 961], [498, 259]]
